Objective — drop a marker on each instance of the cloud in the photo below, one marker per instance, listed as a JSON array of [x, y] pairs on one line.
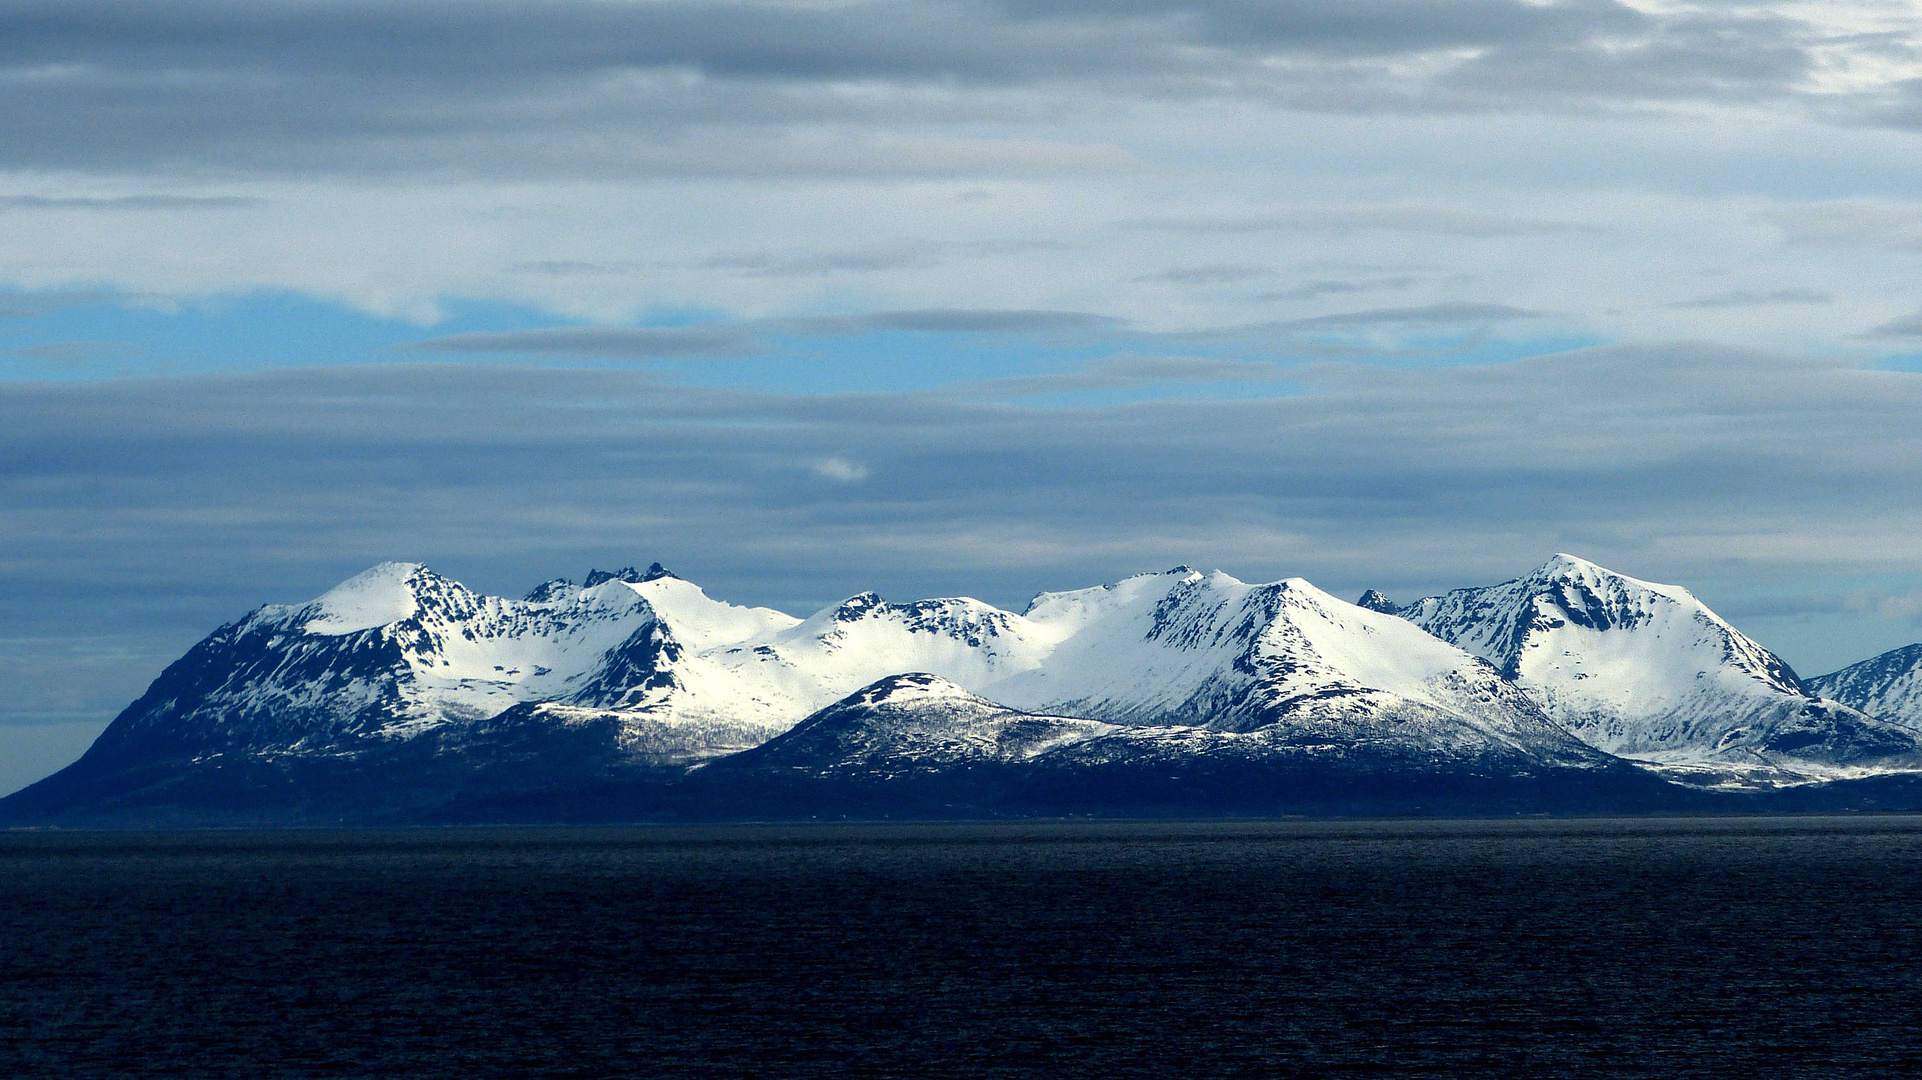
[[34, 305], [1672, 446], [1215, 274], [1849, 222], [1315, 290], [1433, 220], [956, 321], [948, 321], [583, 87], [865, 260], [607, 162], [1431, 314], [1906, 326], [840, 470], [73, 355], [1124, 372], [578, 267], [602, 342], [126, 202], [1902, 607], [1748, 298], [740, 338]]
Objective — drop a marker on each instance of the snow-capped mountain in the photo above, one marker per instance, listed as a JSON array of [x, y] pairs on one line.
[[405, 687], [645, 671], [1176, 649], [399, 650], [1889, 685], [919, 744], [1648, 672], [1186, 649], [920, 722]]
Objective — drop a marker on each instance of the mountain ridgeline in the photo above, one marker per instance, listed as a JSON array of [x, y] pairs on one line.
[[1648, 672], [402, 696]]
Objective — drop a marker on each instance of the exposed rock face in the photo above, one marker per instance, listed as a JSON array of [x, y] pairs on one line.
[[1375, 601]]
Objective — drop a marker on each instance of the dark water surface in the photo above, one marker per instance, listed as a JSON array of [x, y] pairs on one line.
[[1662, 948]]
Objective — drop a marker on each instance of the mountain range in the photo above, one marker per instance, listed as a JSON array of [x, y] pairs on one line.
[[400, 695]]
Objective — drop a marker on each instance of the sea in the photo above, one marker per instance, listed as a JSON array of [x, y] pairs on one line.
[[1730, 947]]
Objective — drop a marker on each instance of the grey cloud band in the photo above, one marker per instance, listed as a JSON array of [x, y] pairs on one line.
[[589, 87]]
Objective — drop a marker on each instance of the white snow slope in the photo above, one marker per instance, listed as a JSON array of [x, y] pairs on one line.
[[918, 723], [1648, 672]]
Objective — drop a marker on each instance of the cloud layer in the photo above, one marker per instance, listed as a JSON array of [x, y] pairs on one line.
[[585, 85], [140, 513], [1346, 247], [1647, 171]]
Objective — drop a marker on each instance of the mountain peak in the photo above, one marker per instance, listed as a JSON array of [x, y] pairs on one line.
[[1563, 565], [548, 592], [1564, 568], [654, 572], [377, 596], [1374, 600], [858, 606], [913, 685], [1647, 671], [1889, 685]]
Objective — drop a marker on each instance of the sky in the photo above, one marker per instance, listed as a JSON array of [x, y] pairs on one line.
[[806, 298]]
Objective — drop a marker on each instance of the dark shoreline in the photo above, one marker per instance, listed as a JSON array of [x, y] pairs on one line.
[[1758, 822]]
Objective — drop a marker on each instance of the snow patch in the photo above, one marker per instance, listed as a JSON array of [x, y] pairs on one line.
[[378, 597], [705, 623]]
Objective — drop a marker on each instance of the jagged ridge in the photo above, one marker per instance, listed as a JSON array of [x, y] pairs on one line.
[[1889, 685]]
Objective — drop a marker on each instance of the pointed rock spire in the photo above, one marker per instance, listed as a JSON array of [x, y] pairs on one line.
[[1373, 600]]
